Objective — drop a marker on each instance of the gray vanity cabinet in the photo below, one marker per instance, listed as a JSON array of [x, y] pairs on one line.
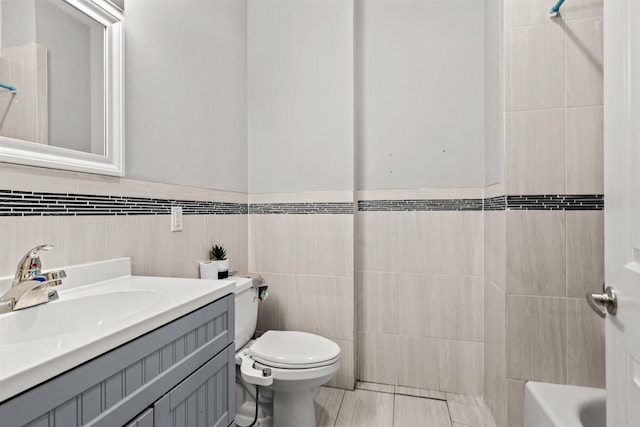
[[181, 374]]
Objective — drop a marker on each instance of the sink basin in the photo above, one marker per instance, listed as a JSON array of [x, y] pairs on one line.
[[56, 320], [100, 307]]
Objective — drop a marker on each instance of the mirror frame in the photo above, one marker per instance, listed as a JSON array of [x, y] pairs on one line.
[[112, 162]]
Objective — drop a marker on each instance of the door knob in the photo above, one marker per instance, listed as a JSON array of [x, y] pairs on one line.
[[603, 303]]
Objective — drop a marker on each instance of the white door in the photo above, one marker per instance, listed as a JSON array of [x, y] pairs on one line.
[[622, 207]]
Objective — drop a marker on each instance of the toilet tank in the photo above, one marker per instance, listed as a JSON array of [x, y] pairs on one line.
[[246, 311]]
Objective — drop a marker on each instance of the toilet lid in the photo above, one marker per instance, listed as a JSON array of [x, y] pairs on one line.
[[295, 349]]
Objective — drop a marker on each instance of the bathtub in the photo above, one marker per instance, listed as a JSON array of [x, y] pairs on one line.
[[554, 405]]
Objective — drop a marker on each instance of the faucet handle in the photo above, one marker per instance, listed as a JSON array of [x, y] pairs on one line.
[[29, 265]]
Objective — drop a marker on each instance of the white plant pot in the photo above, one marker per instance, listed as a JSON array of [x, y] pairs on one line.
[[223, 268]]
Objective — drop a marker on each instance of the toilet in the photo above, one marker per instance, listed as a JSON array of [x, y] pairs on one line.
[[287, 367]]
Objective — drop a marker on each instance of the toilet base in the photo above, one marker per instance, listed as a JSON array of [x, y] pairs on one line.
[[294, 409], [277, 408]]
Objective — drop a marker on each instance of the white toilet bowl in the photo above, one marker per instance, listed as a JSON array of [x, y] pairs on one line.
[[287, 366]]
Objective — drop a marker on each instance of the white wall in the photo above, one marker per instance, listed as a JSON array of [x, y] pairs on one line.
[[300, 70], [420, 93], [186, 92]]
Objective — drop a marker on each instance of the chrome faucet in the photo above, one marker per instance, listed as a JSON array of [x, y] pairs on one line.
[[31, 287]]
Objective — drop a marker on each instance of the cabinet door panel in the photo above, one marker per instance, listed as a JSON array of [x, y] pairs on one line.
[[144, 420], [202, 399]]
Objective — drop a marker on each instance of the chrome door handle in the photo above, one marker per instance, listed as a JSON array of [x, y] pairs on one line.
[[603, 303]]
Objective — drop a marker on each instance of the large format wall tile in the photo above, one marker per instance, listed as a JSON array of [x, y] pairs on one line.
[[536, 339], [534, 143], [462, 367], [440, 364], [585, 150], [536, 253], [301, 244], [441, 306], [494, 314], [92, 238], [378, 302], [495, 382], [585, 345], [585, 252], [421, 242], [419, 362], [494, 247], [19, 234], [534, 71], [346, 376], [378, 358], [515, 403], [584, 47], [156, 251], [321, 305], [231, 231]]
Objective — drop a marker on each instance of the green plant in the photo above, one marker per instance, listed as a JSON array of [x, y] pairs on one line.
[[217, 253]]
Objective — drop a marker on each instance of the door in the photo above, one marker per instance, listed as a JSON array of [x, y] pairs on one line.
[[622, 207]]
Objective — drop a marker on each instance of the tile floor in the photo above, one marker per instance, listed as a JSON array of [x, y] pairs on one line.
[[383, 405]]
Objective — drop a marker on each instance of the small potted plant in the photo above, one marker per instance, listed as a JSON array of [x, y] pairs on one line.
[[218, 254]]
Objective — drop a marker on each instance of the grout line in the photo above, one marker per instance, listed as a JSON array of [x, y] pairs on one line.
[[393, 410], [449, 412], [344, 393]]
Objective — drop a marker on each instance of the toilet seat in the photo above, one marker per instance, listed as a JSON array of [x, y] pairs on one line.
[[294, 350], [289, 356]]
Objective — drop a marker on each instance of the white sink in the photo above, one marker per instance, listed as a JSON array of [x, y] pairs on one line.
[[58, 320], [100, 306]]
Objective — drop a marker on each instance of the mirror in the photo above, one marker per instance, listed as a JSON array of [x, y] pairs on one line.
[[61, 85]]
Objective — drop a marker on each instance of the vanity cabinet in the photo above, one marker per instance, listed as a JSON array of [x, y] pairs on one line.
[[182, 373]]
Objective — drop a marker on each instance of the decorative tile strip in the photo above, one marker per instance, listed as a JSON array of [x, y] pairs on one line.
[[301, 208], [420, 205], [26, 203], [580, 202], [498, 203]]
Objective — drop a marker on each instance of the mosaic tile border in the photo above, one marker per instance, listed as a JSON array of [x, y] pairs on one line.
[[548, 202], [301, 208], [27, 203], [498, 203], [410, 205], [544, 202]]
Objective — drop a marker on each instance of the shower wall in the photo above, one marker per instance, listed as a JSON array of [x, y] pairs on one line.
[[543, 253]]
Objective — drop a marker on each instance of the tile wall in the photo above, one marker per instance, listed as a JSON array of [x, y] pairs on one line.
[[147, 238], [303, 245], [420, 289], [539, 263]]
